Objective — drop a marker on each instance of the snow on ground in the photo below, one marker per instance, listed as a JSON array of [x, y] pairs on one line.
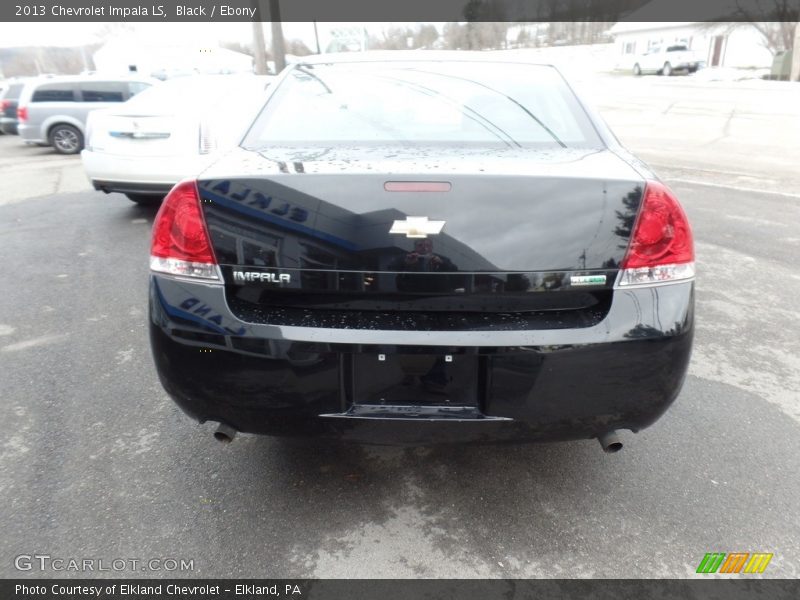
[[729, 74]]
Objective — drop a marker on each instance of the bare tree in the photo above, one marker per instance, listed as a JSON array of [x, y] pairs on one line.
[[297, 47], [20, 62], [393, 38], [402, 38], [486, 35], [794, 75], [777, 36], [775, 20], [426, 36], [454, 36]]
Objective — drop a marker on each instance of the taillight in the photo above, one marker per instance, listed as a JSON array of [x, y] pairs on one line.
[[22, 113], [661, 249], [4, 104], [180, 244]]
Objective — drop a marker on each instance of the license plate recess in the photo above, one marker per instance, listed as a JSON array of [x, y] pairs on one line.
[[415, 379]]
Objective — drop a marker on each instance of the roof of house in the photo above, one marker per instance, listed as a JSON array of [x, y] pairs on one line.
[[623, 27], [654, 14]]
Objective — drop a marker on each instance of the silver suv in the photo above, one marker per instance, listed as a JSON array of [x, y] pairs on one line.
[[52, 111]]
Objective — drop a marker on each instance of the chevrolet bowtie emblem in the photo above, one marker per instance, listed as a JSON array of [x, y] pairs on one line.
[[417, 227]]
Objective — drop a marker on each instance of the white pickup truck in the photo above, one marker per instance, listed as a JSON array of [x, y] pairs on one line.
[[666, 60]]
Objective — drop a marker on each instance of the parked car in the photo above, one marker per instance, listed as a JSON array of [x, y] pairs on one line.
[[3, 89], [443, 248], [143, 147], [8, 107], [52, 111], [666, 60]]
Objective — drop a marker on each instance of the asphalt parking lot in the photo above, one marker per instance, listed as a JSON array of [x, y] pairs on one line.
[[97, 462]]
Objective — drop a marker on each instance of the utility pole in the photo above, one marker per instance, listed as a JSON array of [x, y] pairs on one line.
[[259, 51], [259, 47], [278, 46], [795, 74], [316, 37]]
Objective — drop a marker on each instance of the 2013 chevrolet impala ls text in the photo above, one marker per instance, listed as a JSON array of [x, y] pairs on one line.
[[418, 251]]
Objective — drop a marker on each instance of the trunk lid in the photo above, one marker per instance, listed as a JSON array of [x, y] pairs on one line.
[[297, 229], [143, 135], [9, 108], [10, 101]]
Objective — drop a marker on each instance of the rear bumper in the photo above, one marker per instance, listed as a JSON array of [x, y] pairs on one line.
[[8, 125], [132, 187], [528, 385], [138, 174], [30, 134]]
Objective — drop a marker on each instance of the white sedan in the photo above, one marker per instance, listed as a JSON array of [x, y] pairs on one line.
[[171, 131]]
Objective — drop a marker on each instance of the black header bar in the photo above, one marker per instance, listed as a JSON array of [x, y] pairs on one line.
[[397, 10]]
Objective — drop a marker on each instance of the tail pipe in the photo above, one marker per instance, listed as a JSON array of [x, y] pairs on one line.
[[610, 442], [224, 433]]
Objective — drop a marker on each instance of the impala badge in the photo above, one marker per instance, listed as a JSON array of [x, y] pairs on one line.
[[242, 276], [417, 227]]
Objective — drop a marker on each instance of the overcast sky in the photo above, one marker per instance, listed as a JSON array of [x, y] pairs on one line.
[[77, 34]]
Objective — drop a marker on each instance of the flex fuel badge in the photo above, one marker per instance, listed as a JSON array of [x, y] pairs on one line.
[[587, 280]]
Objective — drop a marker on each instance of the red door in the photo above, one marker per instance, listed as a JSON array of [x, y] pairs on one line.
[[716, 56]]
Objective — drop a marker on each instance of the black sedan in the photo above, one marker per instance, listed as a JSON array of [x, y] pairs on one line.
[[426, 250]]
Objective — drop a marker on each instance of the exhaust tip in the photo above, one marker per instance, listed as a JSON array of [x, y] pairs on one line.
[[224, 433], [610, 442]]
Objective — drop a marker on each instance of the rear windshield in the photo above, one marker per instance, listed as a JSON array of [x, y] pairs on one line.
[[473, 103], [13, 91], [677, 49]]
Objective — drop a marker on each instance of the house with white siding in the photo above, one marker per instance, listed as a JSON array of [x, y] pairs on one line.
[[722, 37], [737, 45]]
